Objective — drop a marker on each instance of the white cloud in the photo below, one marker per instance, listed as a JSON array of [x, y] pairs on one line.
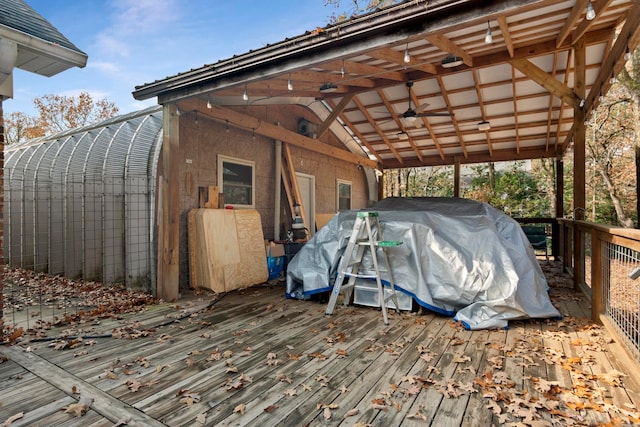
[[144, 16], [105, 67]]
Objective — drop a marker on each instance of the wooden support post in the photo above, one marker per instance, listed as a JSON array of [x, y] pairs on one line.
[[559, 213], [169, 208], [294, 188], [579, 160], [456, 178]]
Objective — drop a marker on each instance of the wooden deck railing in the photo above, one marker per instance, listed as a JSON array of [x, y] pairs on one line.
[[605, 263]]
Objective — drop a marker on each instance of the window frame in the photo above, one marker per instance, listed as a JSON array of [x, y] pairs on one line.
[[340, 182], [222, 159]]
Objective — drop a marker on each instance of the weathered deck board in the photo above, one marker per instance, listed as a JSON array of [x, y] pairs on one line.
[[422, 369]]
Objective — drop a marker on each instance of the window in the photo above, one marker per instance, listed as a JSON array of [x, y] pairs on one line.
[[237, 180], [344, 195]]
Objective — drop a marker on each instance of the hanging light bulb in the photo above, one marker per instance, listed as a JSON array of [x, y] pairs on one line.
[[195, 121], [245, 95], [208, 102], [342, 69], [488, 38], [601, 98], [226, 129], [590, 12], [289, 84], [613, 79], [253, 133], [627, 54], [407, 55]]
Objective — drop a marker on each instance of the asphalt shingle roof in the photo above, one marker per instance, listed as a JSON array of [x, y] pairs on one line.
[[19, 16]]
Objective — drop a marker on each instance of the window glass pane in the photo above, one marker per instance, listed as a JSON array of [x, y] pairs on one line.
[[237, 183], [344, 196]]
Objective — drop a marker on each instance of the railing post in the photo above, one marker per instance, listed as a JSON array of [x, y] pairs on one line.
[[596, 276], [578, 257]]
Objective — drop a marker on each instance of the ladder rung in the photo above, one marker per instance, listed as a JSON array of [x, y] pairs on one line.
[[361, 276], [388, 243]]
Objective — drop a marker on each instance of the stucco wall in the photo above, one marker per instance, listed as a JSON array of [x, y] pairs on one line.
[[202, 140]]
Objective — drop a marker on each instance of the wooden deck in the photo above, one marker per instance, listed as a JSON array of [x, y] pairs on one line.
[[252, 357]]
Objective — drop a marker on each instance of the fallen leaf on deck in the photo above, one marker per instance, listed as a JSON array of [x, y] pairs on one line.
[[341, 353], [283, 378], [79, 408], [12, 418], [326, 413], [270, 408], [201, 418], [344, 389], [351, 413], [291, 392], [240, 409]]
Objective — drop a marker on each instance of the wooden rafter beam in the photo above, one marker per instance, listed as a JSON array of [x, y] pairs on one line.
[[476, 157], [546, 80], [446, 45], [399, 123], [476, 84], [358, 135], [585, 25], [396, 57], [269, 130], [380, 132], [363, 70], [575, 14], [506, 35], [335, 113], [516, 121], [443, 90]]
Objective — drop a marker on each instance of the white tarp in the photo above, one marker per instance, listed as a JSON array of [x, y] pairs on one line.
[[459, 257]]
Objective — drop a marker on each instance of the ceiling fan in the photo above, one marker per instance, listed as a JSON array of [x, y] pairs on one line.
[[411, 114]]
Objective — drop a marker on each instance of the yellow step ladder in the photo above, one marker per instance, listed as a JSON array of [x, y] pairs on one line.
[[366, 236]]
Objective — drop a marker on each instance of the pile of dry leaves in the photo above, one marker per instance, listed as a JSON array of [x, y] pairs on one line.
[[37, 302]]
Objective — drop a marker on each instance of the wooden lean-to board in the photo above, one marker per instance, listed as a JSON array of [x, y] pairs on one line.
[[229, 249]]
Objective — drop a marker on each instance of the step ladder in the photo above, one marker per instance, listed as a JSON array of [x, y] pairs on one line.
[[366, 235]]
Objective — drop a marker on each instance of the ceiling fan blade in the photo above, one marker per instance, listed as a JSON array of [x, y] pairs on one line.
[[421, 107], [428, 114]]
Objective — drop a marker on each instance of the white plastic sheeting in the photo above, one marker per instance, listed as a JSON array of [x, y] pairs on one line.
[[460, 258]]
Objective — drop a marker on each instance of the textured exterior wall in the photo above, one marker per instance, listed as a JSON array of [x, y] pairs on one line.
[[203, 140], [1, 216]]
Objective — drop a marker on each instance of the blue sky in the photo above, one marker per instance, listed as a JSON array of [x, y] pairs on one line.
[[132, 42]]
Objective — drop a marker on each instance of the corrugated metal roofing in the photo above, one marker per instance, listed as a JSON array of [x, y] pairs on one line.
[[81, 202]]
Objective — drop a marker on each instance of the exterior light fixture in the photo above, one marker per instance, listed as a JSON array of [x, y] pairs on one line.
[[208, 102], [591, 14], [245, 95], [328, 88], [488, 38], [289, 84], [226, 129], [452, 61], [407, 55], [342, 70], [484, 126]]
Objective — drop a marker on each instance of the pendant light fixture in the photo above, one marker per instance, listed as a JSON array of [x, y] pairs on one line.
[[208, 102], [407, 55], [289, 84], [245, 95], [488, 38], [591, 13]]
